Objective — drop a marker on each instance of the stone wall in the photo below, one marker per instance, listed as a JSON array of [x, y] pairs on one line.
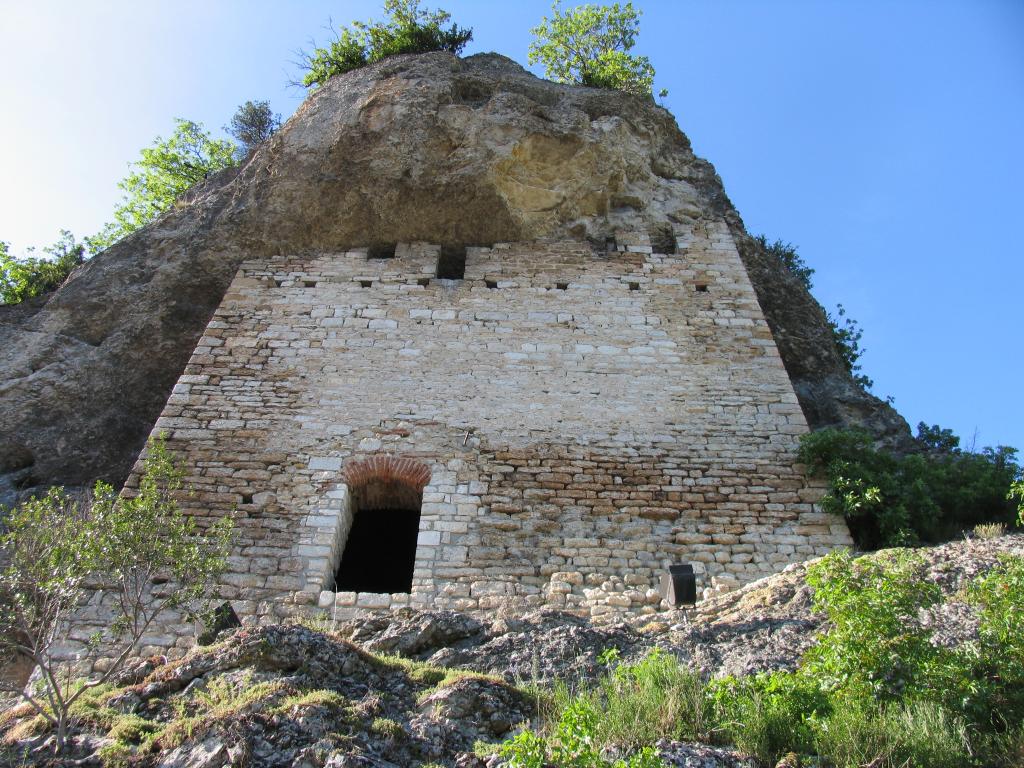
[[575, 418]]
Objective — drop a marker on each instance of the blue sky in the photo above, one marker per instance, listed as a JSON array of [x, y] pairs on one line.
[[884, 139]]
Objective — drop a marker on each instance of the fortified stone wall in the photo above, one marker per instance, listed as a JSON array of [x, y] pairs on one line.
[[573, 420]]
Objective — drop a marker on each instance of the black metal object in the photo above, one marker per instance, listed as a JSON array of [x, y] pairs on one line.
[[679, 585]]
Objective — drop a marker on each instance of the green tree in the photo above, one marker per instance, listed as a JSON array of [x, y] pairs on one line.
[[31, 276], [142, 551], [891, 500], [589, 45], [253, 124], [407, 29], [162, 174]]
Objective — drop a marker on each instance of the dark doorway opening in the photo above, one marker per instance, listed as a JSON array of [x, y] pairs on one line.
[[380, 553], [451, 263]]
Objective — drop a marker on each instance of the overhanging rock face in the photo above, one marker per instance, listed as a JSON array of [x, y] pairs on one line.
[[425, 148], [566, 420]]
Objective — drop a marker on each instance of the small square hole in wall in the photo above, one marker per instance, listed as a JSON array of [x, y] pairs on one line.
[[366, 283], [609, 244], [381, 251], [424, 281], [309, 283], [451, 263], [278, 283], [701, 287], [492, 284], [634, 286], [247, 498], [562, 286]]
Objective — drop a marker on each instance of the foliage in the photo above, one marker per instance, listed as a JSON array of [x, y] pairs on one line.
[[876, 645], [891, 500], [1016, 492], [789, 258], [142, 551], [879, 648], [630, 707], [589, 45], [163, 173], [924, 734], [28, 277], [252, 124], [874, 690], [847, 333], [407, 29], [768, 714], [996, 688]]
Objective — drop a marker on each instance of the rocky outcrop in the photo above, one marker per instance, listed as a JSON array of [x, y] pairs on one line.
[[430, 147], [410, 688]]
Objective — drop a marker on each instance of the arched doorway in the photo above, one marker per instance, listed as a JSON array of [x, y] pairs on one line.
[[386, 495]]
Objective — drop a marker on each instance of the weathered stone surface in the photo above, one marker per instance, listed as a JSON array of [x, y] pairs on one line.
[[328, 702], [425, 148]]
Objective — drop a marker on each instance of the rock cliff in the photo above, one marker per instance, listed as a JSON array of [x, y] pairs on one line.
[[430, 147]]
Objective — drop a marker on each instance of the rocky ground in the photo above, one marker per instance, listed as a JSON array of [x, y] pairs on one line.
[[415, 688]]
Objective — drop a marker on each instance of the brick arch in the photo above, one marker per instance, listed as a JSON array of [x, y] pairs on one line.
[[387, 469]]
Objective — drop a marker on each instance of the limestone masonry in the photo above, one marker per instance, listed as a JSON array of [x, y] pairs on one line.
[[567, 421]]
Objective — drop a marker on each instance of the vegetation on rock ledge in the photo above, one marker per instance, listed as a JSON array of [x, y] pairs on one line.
[[407, 29], [589, 45], [927, 497]]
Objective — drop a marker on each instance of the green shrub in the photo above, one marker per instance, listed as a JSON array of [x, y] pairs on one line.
[[993, 693], [408, 29], [655, 698], [768, 715], [875, 644], [1016, 493], [787, 255], [28, 277], [928, 497]]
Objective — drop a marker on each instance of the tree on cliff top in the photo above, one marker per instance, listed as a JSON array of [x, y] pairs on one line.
[[589, 45], [252, 124], [162, 174], [407, 29], [148, 557], [25, 278]]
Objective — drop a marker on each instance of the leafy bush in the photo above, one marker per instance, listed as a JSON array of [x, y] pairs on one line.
[[589, 45], [408, 29], [875, 646], [995, 688], [930, 497], [29, 277], [143, 550], [1016, 493], [768, 715], [163, 173]]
